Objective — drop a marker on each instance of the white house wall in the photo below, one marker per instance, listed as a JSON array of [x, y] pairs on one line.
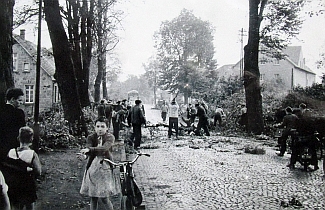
[[302, 78]]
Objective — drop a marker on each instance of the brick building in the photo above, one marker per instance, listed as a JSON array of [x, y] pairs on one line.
[[24, 72]]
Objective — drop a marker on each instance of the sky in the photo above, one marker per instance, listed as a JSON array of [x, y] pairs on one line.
[[144, 17]]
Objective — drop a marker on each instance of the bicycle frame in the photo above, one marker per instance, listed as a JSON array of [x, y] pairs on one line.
[[127, 181]]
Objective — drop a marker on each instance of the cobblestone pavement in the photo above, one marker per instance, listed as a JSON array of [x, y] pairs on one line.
[[223, 177], [220, 175]]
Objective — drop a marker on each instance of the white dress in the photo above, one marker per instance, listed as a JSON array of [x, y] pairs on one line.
[[98, 180]]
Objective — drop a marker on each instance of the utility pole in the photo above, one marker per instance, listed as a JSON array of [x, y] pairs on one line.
[[37, 85], [241, 61]]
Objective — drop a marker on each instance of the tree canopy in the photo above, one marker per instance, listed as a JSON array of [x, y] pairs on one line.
[[183, 45]]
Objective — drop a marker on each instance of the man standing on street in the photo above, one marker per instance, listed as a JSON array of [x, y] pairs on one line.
[[164, 111], [218, 115], [12, 118], [290, 121], [137, 119], [173, 118], [101, 108], [109, 112], [203, 120], [192, 113]]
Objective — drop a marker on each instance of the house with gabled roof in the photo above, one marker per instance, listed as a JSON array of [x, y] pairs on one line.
[[24, 73], [291, 71]]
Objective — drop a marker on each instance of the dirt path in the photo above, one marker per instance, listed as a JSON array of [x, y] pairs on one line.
[[60, 183]]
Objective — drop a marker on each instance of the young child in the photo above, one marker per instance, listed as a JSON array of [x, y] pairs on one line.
[[98, 181], [25, 195], [4, 199]]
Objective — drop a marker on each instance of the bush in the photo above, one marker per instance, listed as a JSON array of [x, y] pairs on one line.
[[58, 133]]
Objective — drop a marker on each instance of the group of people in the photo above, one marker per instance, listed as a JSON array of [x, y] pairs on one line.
[[294, 123], [122, 114], [199, 110], [17, 192]]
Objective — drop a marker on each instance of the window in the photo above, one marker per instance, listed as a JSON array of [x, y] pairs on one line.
[[15, 61], [26, 67], [56, 94], [29, 93], [262, 77], [263, 61], [276, 61]]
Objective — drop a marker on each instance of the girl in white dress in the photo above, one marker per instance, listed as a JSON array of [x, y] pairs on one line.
[[98, 181]]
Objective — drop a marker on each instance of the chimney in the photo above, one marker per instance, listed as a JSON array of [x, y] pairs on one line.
[[22, 34]]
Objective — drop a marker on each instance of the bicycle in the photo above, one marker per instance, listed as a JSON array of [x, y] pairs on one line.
[[131, 195]]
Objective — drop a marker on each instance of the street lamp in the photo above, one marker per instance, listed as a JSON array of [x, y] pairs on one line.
[[38, 75]]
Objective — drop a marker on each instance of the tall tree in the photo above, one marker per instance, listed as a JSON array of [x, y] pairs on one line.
[[6, 42], [106, 24], [184, 44], [80, 19], [65, 70], [282, 23]]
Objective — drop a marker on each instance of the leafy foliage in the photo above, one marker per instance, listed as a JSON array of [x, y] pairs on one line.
[[313, 97], [184, 47], [58, 133], [281, 23]]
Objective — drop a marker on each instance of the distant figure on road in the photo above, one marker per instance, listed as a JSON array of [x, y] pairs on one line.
[[137, 119], [173, 118], [164, 111], [109, 112], [192, 113], [218, 115], [118, 117], [101, 108], [203, 120], [12, 118], [290, 121], [243, 116]]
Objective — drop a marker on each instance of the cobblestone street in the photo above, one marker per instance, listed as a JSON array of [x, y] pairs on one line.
[[222, 176], [179, 177]]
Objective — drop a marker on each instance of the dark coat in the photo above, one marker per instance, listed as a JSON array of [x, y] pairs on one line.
[[104, 150], [101, 110], [290, 121], [201, 113], [11, 119], [137, 116]]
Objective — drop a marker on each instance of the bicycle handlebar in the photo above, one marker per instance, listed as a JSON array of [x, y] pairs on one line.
[[127, 162]]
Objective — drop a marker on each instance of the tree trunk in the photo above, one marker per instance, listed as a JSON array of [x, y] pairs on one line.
[[252, 74], [99, 77], [6, 42], [86, 46], [64, 75], [104, 85]]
